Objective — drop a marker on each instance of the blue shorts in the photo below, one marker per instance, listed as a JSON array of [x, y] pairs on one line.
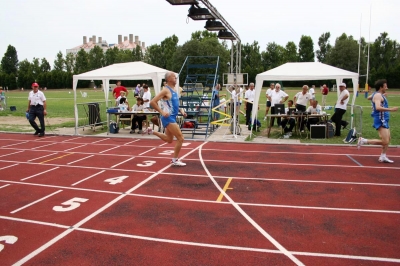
[[380, 123], [168, 120]]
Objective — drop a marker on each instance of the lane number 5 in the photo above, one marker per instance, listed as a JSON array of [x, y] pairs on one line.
[[72, 205]]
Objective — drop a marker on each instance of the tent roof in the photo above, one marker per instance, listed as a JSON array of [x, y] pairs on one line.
[[306, 71], [123, 71]]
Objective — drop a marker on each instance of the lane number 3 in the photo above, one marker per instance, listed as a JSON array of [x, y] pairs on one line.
[[72, 205]]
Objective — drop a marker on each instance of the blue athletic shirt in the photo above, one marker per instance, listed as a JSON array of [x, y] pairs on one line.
[[379, 114], [172, 105]]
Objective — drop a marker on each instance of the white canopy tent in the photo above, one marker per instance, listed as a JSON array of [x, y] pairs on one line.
[[122, 71], [303, 71]]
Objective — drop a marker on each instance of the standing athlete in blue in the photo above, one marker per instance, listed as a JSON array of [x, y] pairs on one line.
[[169, 110], [380, 114]]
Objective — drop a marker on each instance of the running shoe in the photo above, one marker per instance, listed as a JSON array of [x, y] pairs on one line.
[[385, 160], [178, 163], [148, 130], [360, 142]]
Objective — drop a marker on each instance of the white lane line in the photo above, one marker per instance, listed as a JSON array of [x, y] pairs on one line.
[[23, 179], [247, 217], [54, 240], [6, 185], [67, 140], [65, 188], [122, 162], [109, 149], [40, 249], [353, 257], [23, 142], [87, 178], [354, 160], [80, 159], [32, 203], [136, 140], [99, 141], [5, 167], [10, 153], [46, 145], [80, 146], [37, 158], [147, 151], [34, 222]]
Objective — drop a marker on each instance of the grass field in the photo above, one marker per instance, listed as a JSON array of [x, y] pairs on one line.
[[60, 104]]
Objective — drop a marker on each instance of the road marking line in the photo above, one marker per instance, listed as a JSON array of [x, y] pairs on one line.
[[34, 222], [32, 203], [87, 178], [76, 147], [80, 159], [109, 149], [62, 156], [5, 167], [46, 145], [147, 151], [122, 162], [99, 140], [42, 157], [23, 142], [11, 153], [221, 196], [6, 185], [23, 179], [71, 139], [247, 217], [354, 160], [131, 141], [353, 257]]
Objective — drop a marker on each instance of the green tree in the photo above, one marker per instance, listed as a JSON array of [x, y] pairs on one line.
[[124, 56], [154, 55], [111, 55], [306, 49], [25, 74], [137, 53], [36, 70], [59, 62], [290, 53], [81, 62], [44, 66], [324, 47], [9, 62], [273, 56], [70, 63], [96, 58], [344, 54], [201, 35], [168, 47], [251, 60]]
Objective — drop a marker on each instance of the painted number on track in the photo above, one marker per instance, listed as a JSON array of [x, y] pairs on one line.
[[116, 180], [146, 163], [167, 152], [72, 205], [7, 240]]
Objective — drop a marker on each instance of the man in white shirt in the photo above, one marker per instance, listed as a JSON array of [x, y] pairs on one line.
[[312, 92], [37, 108], [146, 96], [268, 104], [277, 96], [314, 108], [249, 96], [302, 98], [340, 108]]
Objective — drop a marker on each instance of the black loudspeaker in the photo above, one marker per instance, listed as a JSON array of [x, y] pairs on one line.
[[94, 114], [13, 108], [317, 131]]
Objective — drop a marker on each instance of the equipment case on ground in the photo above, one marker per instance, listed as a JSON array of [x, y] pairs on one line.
[[317, 131]]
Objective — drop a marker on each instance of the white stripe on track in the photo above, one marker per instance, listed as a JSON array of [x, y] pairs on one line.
[[36, 201], [247, 217], [23, 179]]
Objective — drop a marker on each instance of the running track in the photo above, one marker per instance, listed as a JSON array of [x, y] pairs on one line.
[[109, 201]]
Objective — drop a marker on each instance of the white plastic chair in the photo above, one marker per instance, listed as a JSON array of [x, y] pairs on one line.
[[84, 94]]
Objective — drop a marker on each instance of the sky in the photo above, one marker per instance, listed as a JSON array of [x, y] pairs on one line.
[[42, 28]]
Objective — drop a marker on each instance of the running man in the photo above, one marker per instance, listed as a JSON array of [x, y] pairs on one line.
[[170, 106], [380, 115]]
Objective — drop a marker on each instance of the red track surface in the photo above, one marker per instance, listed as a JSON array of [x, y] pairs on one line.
[[110, 201]]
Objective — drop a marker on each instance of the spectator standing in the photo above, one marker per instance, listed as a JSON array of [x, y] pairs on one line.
[[302, 98], [277, 96], [249, 96], [380, 115], [340, 108], [117, 91], [37, 108], [268, 104], [312, 92], [146, 96], [325, 92]]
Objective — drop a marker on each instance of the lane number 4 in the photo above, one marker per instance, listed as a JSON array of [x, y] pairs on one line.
[[72, 205]]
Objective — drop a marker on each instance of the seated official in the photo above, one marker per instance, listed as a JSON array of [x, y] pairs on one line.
[[122, 96], [315, 108], [138, 118], [288, 119]]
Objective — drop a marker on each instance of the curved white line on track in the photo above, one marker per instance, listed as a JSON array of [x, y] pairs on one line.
[[247, 217]]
